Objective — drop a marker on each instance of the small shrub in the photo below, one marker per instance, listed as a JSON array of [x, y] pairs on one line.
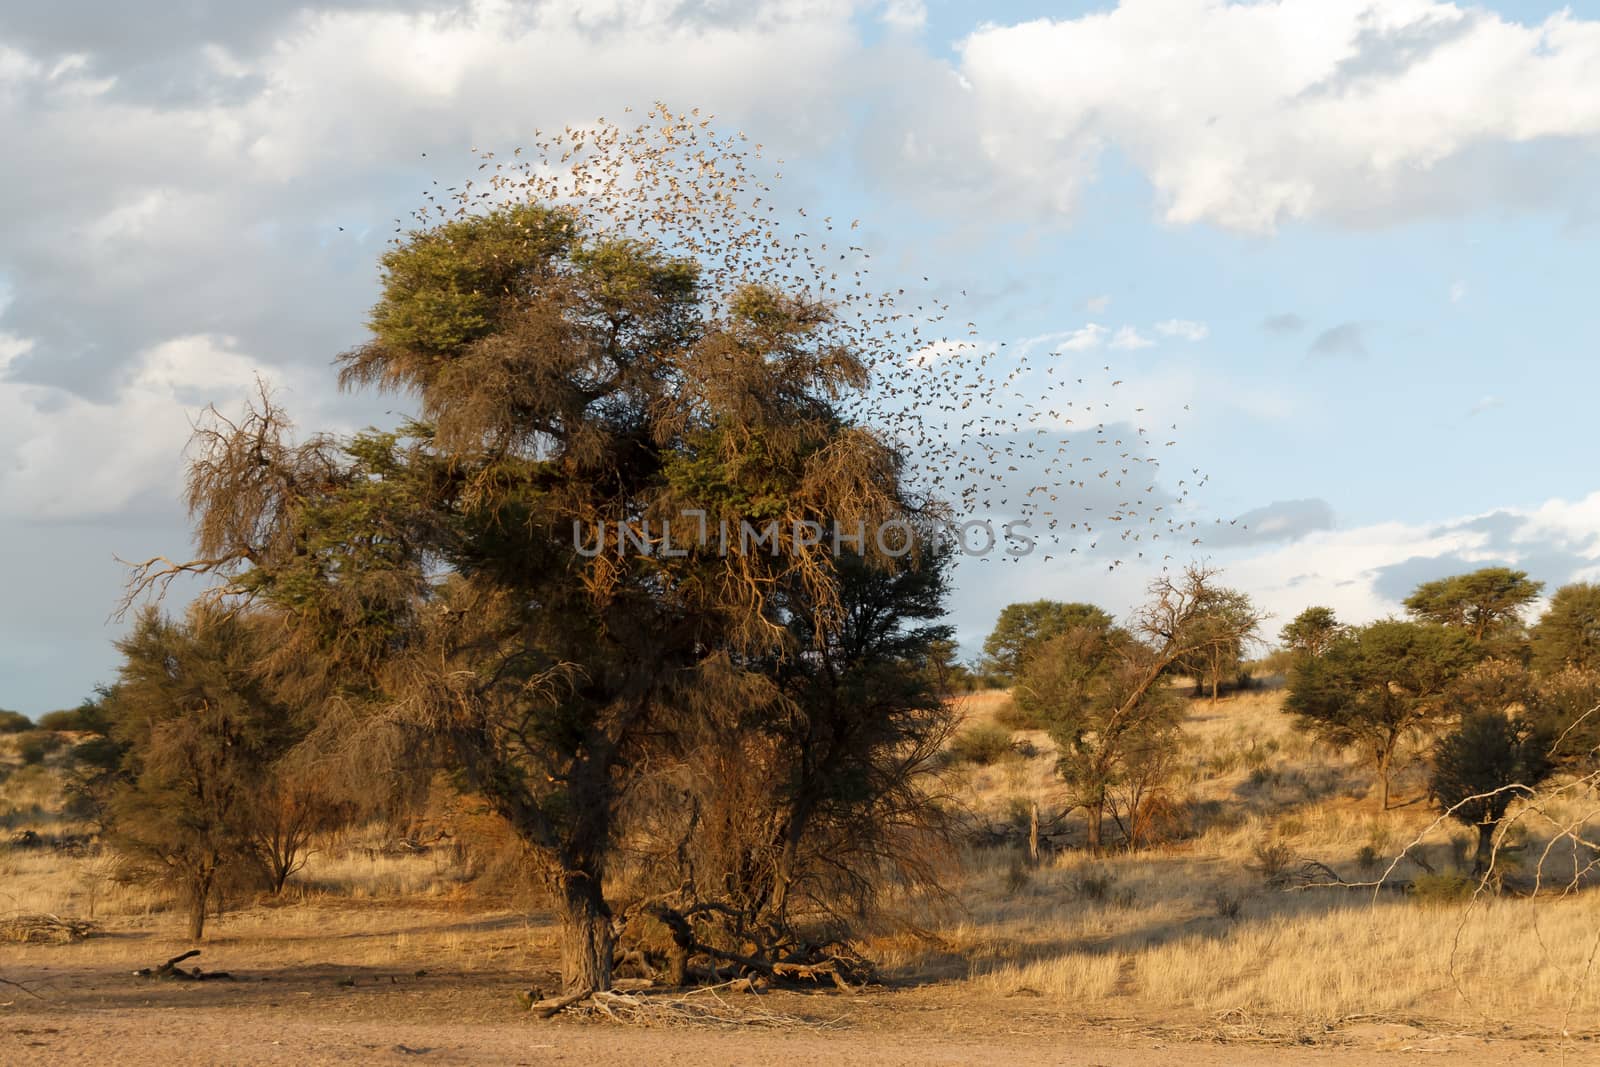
[[1125, 898], [14, 722], [1093, 885], [1443, 889], [35, 745], [1367, 859], [1273, 860], [1227, 905], [983, 744]]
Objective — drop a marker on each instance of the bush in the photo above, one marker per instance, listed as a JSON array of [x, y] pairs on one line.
[[1273, 860], [983, 744], [1013, 716], [14, 722], [65, 719], [1093, 885], [35, 745], [1449, 887]]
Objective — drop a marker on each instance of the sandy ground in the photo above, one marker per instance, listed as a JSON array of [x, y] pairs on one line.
[[315, 1015]]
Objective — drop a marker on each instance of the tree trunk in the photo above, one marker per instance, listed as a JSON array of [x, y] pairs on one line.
[[1096, 812], [1033, 835], [199, 897], [1485, 853], [1383, 774], [586, 937], [1216, 684]]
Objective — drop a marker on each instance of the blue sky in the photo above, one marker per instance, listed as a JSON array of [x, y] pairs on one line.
[[1368, 226]]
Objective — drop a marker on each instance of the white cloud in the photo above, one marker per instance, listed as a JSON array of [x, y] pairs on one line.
[[1363, 573], [905, 14], [1458, 292], [1082, 339], [1184, 328], [1127, 337], [1096, 305], [1248, 115], [69, 458]]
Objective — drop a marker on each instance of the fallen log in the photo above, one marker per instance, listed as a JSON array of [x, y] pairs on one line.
[[171, 971]]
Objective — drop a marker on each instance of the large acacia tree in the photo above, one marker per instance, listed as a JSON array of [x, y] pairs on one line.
[[494, 579]]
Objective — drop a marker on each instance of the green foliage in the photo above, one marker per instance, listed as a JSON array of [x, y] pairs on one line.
[[983, 744], [1565, 707], [1488, 603], [1567, 635], [14, 722], [1312, 632], [1482, 765], [1378, 683], [1022, 628], [197, 729], [1113, 728], [1222, 623]]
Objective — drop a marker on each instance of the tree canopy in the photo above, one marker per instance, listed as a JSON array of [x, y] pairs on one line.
[[1022, 628], [1567, 635], [1487, 603], [1378, 683]]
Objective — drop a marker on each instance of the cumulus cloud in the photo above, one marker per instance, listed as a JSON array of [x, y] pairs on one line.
[[138, 213], [69, 458], [1083, 338], [1183, 328], [1128, 337], [1251, 115]]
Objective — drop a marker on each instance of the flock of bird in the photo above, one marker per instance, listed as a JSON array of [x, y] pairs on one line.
[[995, 431]]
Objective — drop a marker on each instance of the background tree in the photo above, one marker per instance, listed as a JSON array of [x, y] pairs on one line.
[[1567, 635], [198, 730], [1101, 690], [1481, 766], [1378, 684], [1565, 708], [14, 722], [1488, 603], [1312, 632], [1022, 628], [1223, 625]]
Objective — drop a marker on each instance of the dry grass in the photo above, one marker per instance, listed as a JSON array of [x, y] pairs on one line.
[[1194, 926]]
